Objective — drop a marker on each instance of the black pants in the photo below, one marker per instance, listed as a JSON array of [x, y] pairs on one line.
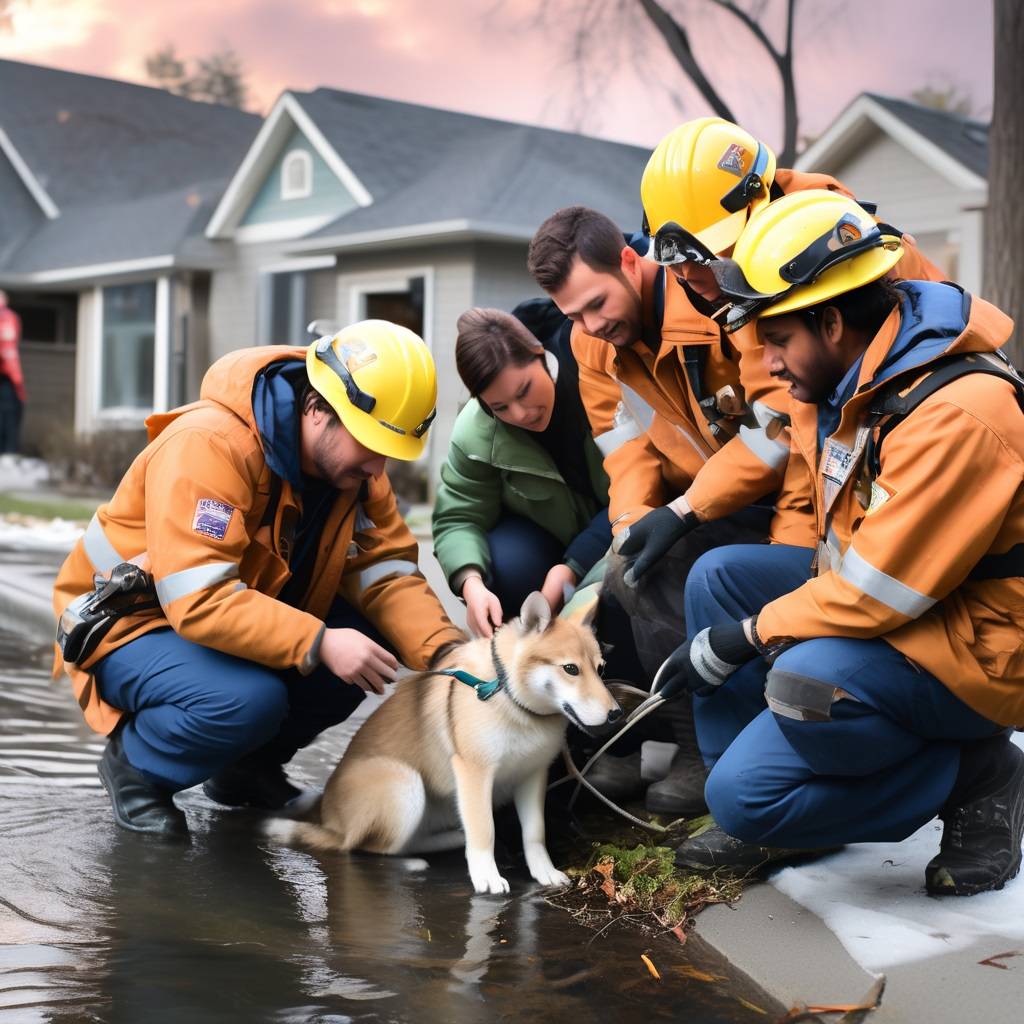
[[10, 416]]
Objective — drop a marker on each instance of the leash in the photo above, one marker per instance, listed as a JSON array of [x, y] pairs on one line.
[[486, 688], [652, 702]]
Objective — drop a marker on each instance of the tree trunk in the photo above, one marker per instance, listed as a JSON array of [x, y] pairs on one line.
[[1004, 216]]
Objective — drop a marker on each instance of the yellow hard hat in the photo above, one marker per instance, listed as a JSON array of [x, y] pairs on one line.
[[801, 250], [381, 381], [706, 177]]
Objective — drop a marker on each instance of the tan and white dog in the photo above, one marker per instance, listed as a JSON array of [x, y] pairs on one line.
[[435, 756]]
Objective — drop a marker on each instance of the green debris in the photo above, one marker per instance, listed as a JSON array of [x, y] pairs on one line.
[[642, 886]]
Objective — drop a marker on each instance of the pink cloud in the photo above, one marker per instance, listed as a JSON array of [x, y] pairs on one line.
[[451, 53]]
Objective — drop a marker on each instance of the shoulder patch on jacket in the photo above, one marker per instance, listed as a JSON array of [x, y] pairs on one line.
[[212, 518]]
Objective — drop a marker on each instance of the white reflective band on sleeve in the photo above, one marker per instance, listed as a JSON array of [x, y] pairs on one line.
[[637, 408], [392, 567], [612, 440], [101, 552], [188, 581], [883, 587], [835, 550], [764, 414], [772, 453]]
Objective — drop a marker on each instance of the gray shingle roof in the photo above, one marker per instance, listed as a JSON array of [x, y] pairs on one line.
[[962, 138], [422, 165], [122, 162]]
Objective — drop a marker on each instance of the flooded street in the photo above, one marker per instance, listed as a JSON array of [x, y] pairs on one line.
[[101, 925]]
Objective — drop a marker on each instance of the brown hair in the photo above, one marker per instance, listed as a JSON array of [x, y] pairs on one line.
[[488, 341], [571, 232]]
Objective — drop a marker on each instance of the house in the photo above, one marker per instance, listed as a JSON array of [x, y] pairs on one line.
[[926, 169], [143, 235]]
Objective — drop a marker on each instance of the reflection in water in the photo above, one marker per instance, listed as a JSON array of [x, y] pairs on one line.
[[99, 924]]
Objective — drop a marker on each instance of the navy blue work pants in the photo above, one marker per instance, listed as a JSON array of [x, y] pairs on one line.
[[11, 408], [193, 710], [521, 555], [878, 770]]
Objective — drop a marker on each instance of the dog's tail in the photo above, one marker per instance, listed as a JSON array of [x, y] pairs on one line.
[[316, 837]]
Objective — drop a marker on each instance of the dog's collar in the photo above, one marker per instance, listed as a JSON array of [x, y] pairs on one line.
[[487, 688]]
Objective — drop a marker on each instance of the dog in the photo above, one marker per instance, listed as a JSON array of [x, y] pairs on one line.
[[435, 756]]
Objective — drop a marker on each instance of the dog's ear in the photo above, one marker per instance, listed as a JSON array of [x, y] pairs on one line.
[[535, 615]]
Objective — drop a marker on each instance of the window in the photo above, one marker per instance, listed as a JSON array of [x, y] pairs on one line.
[[400, 307], [129, 338], [297, 175]]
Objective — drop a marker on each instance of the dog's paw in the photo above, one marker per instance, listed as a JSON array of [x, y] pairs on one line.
[[484, 875], [494, 884], [551, 876]]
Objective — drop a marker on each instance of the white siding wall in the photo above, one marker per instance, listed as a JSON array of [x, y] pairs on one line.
[[235, 296], [915, 198], [501, 279], [450, 292]]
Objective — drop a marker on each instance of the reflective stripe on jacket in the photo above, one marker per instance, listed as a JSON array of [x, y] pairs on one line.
[[895, 555], [193, 502]]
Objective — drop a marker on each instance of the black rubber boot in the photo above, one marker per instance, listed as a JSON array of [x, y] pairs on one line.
[[617, 778], [714, 849], [681, 793], [983, 829], [138, 805], [252, 782]]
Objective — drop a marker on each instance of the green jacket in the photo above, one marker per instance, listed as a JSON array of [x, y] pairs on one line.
[[494, 469]]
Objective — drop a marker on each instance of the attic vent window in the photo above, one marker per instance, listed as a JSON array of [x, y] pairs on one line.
[[297, 175]]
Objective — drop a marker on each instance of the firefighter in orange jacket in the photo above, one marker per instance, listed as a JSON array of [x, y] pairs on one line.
[[895, 655], [284, 575], [691, 425]]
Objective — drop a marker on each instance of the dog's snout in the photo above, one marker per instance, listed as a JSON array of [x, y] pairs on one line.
[[614, 715]]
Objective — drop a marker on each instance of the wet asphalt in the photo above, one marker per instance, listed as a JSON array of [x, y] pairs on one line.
[[101, 925]]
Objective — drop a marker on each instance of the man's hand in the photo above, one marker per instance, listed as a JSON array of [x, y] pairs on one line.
[[483, 609], [703, 664], [356, 659], [647, 541], [558, 578]]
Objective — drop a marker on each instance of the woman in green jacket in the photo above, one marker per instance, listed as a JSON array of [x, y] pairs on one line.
[[523, 499]]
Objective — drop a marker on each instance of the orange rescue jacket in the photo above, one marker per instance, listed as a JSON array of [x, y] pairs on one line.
[[896, 554], [645, 416], [219, 591]]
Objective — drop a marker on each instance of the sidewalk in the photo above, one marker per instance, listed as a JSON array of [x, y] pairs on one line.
[[817, 934]]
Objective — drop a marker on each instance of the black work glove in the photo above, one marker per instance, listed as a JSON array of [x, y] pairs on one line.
[[702, 664], [647, 540]]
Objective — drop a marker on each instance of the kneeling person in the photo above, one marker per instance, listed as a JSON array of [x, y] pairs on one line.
[[285, 579], [895, 647]]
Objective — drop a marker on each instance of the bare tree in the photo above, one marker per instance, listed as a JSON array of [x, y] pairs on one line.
[[218, 78], [596, 28], [1004, 216], [946, 95]]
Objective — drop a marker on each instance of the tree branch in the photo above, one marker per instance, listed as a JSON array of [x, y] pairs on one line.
[[678, 42]]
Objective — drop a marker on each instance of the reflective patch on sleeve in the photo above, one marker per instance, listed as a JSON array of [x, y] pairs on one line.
[[774, 454], [212, 517], [883, 587], [380, 570], [189, 581]]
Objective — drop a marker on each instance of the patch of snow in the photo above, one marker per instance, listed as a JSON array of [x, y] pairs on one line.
[[55, 535], [18, 472], [872, 897]]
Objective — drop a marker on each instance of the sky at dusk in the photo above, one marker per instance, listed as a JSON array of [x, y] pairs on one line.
[[499, 58]]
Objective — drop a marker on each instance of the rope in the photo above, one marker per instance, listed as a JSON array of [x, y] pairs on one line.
[[650, 704]]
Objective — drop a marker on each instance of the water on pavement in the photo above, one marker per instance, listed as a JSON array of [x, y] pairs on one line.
[[101, 925]]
